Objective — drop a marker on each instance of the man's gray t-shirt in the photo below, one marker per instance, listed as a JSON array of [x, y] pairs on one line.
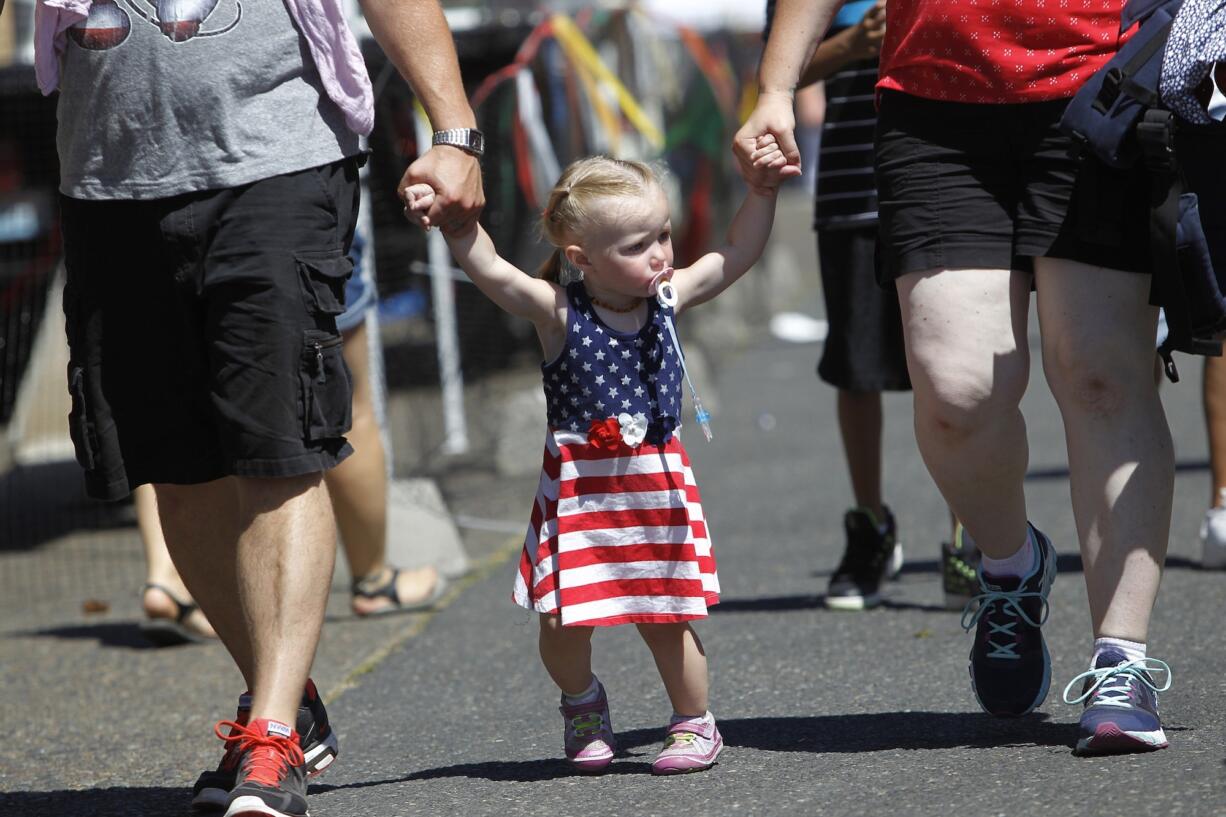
[[226, 95]]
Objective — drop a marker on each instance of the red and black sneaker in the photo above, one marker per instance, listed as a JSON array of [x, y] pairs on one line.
[[271, 779], [316, 739]]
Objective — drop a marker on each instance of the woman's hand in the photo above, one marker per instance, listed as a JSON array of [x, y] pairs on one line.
[[773, 115]]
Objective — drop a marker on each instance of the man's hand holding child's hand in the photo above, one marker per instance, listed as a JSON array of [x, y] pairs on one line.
[[417, 201]]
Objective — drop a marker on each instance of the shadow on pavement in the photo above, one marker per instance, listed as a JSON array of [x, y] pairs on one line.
[[880, 732], [1065, 563], [776, 604], [107, 634], [118, 801], [833, 734], [502, 771]]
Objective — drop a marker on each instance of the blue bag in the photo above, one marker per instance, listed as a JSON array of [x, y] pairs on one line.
[[1119, 118], [1104, 114]]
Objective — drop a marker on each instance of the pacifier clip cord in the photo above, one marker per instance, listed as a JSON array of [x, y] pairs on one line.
[[666, 294]]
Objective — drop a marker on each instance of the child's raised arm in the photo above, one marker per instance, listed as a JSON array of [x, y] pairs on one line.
[[505, 284], [747, 235]]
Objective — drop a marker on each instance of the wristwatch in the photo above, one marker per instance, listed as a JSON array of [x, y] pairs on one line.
[[469, 140]]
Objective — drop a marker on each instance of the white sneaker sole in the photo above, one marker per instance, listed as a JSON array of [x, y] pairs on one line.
[[853, 603], [253, 806], [1108, 740]]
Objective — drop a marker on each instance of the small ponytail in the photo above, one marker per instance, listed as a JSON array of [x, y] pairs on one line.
[[551, 270]]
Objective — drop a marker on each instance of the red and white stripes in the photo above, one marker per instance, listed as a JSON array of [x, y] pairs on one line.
[[617, 537]]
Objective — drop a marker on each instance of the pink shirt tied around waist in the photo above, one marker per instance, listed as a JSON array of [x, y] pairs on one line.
[[333, 48]]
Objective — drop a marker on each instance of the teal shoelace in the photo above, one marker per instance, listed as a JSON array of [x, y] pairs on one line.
[[1010, 606], [1113, 685]]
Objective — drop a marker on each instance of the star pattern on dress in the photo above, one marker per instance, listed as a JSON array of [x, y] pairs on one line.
[[601, 374]]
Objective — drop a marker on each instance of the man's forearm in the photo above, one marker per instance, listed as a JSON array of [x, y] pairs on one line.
[[415, 36], [797, 28]]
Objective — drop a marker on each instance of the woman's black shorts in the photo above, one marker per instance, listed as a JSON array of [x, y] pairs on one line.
[[202, 331], [970, 186]]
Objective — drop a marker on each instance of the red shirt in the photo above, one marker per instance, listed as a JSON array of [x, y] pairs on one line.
[[996, 51]]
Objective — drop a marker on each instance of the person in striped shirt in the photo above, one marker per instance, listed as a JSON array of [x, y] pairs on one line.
[[617, 533]]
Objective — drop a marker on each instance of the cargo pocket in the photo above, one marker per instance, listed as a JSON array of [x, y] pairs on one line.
[[323, 278], [327, 393], [80, 426]]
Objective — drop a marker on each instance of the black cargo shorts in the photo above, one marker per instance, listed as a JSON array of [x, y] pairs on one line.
[[202, 331]]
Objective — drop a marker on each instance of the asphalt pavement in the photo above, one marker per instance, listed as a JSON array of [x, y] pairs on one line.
[[823, 712], [450, 713]]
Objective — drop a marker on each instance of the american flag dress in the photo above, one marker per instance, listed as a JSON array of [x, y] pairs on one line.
[[617, 532]]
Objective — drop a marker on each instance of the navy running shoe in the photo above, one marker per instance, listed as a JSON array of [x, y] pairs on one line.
[[1009, 664], [1121, 705]]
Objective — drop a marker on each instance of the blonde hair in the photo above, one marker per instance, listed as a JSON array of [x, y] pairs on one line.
[[570, 209]]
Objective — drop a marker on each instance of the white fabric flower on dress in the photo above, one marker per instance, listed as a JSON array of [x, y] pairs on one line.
[[634, 429]]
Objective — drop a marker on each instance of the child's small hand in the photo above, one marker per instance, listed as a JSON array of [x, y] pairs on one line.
[[417, 200], [768, 156]]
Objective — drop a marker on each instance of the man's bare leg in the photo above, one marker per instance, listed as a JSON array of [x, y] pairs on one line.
[[257, 555]]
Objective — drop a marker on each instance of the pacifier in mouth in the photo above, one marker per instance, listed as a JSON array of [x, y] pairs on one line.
[[660, 277]]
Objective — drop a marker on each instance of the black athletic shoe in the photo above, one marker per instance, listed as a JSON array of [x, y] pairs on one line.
[[1010, 667], [959, 570], [316, 739], [872, 553], [272, 775]]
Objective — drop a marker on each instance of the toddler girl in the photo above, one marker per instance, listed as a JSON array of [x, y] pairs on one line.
[[617, 533]]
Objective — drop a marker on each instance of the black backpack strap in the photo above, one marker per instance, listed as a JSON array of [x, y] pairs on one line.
[[1117, 80]]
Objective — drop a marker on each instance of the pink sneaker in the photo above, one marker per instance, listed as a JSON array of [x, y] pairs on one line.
[[589, 739], [691, 745]]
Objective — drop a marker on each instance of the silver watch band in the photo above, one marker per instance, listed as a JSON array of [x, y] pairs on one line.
[[469, 140]]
